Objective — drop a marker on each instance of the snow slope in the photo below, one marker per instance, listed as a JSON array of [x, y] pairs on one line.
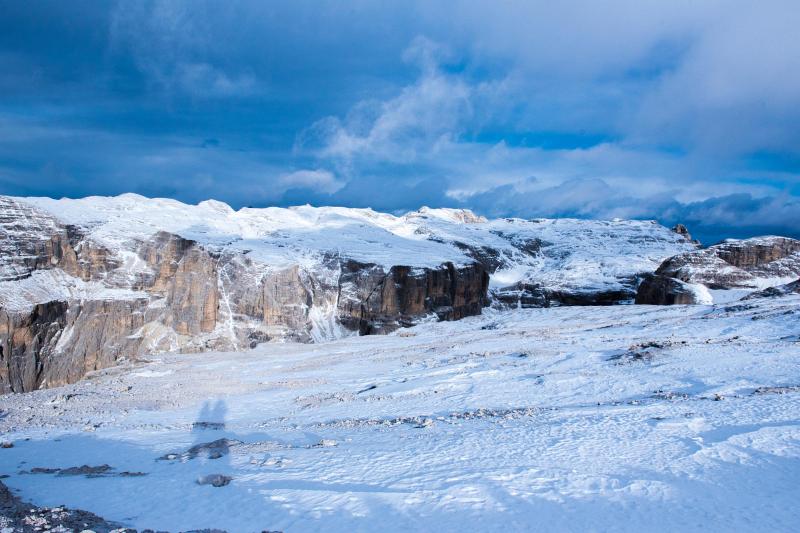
[[632, 418]]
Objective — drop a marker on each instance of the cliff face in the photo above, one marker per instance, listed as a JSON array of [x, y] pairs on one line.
[[168, 293], [378, 301], [85, 283], [755, 263]]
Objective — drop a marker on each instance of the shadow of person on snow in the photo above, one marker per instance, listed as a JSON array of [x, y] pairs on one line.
[[215, 453]]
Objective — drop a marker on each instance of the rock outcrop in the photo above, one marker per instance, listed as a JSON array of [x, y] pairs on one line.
[[683, 231], [664, 290], [754, 264], [526, 295]]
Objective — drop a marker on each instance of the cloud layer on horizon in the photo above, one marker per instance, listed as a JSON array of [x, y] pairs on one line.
[[674, 111]]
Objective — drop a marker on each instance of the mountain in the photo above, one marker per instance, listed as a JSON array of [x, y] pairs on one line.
[[724, 271], [85, 283]]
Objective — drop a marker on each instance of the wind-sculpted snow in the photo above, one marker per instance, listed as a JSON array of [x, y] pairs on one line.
[[683, 418]]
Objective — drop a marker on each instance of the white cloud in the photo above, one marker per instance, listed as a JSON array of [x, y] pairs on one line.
[[317, 180]]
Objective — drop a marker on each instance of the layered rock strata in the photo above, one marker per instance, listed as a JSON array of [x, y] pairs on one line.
[[753, 264], [169, 293]]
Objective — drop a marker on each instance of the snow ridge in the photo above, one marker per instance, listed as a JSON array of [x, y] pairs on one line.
[[566, 254]]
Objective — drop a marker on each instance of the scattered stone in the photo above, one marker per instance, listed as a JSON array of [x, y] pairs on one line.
[[208, 425], [40, 470], [18, 516], [325, 443], [215, 480], [85, 470], [777, 390], [425, 423], [131, 474], [419, 421], [211, 450]]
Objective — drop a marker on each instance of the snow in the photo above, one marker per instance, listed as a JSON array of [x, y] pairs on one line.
[[726, 296], [702, 295], [575, 254], [629, 418], [48, 285]]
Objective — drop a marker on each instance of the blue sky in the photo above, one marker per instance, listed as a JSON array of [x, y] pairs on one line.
[[678, 111]]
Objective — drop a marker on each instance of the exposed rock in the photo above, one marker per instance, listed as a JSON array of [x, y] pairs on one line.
[[774, 292], [375, 301], [84, 470], [522, 295], [663, 290], [31, 239], [58, 342], [210, 450], [527, 295], [735, 263], [681, 230], [17, 516], [732, 264], [215, 480]]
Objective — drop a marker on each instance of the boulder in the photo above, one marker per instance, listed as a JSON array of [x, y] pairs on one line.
[[656, 289]]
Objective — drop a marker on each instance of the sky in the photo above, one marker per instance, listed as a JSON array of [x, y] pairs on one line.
[[679, 111]]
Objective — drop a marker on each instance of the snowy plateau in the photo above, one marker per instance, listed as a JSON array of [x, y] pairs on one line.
[[195, 368]]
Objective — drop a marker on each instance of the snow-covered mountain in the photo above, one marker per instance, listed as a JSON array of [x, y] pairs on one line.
[[640, 418], [726, 271], [87, 282]]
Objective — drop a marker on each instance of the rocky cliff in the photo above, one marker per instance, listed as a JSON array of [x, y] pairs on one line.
[[72, 305], [86, 283], [748, 264]]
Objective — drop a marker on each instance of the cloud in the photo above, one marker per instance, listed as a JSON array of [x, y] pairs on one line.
[[173, 44], [636, 109], [318, 180], [425, 115]]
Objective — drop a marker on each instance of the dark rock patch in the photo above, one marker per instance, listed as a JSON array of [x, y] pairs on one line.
[[24, 517], [215, 480]]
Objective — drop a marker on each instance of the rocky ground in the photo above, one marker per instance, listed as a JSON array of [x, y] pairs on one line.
[[626, 418], [17, 516]]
